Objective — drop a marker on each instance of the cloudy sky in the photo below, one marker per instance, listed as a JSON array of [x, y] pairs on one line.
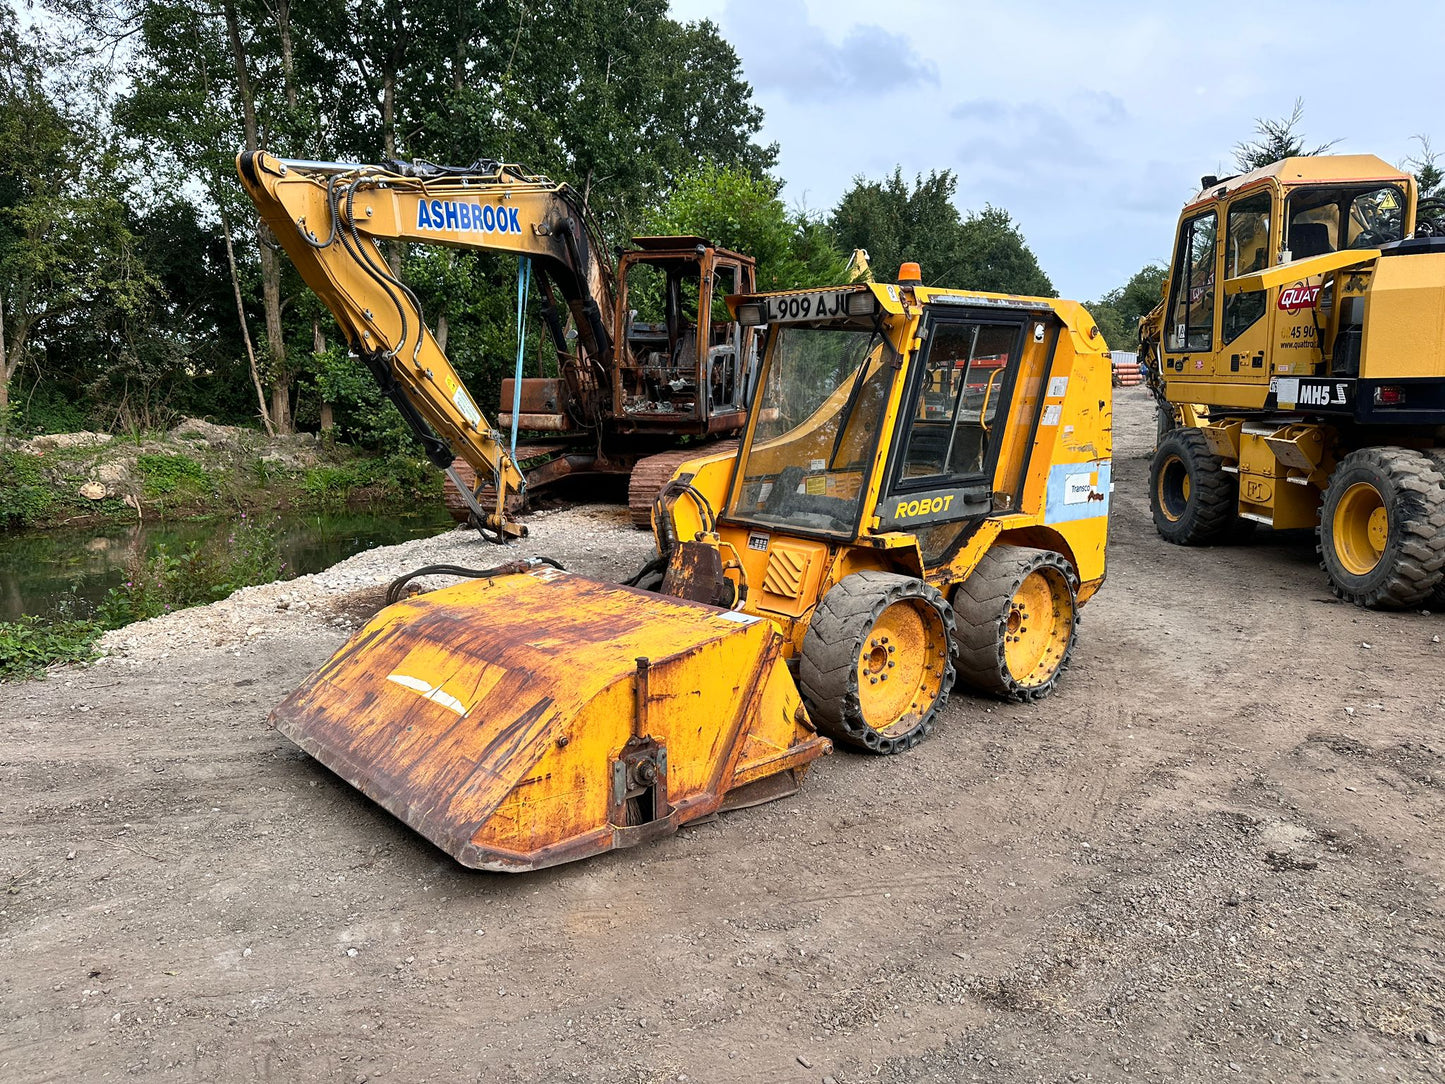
[[1090, 123]]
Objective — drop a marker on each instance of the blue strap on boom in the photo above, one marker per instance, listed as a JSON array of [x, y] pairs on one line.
[[524, 285]]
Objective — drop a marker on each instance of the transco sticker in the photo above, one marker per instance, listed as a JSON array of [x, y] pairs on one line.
[[445, 214]]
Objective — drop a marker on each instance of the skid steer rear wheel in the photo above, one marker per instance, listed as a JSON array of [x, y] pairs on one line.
[[1193, 498], [876, 663], [1382, 528], [1016, 614]]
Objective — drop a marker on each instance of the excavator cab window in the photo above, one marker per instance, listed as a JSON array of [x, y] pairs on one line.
[[1246, 249], [725, 377], [662, 332], [1326, 218], [1191, 297]]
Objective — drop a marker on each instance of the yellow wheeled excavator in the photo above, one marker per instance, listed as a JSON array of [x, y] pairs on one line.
[[651, 356], [1299, 360], [920, 498]]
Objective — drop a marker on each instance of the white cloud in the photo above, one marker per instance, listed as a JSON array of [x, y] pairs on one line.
[[1091, 124]]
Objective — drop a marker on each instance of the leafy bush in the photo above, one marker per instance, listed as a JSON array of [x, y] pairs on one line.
[[24, 496], [31, 644], [172, 475], [395, 478]]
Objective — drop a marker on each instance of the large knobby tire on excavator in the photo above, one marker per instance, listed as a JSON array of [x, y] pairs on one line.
[[1382, 528], [876, 665], [1016, 616], [1436, 602], [1193, 498]]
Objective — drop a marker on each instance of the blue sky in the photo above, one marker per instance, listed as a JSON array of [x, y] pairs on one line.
[[1090, 123]]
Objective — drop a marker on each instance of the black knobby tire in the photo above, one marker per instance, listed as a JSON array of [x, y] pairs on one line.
[[1412, 562], [1436, 602], [986, 607], [1193, 498], [833, 653]]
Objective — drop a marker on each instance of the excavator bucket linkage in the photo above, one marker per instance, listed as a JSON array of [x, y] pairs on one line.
[[536, 718]]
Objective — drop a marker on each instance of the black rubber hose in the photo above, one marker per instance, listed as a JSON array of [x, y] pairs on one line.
[[654, 566], [398, 585]]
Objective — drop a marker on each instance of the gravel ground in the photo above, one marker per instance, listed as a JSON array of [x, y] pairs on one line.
[[1213, 854]]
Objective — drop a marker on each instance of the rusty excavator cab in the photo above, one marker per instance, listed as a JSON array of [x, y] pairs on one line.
[[488, 735]]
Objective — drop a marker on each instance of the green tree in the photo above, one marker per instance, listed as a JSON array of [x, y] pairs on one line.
[[984, 251], [1275, 139], [69, 271], [738, 210], [1426, 167], [1118, 312]]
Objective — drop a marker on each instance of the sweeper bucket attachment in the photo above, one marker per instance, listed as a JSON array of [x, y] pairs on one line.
[[541, 717]]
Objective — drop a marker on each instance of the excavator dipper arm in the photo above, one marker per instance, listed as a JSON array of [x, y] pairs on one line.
[[330, 218]]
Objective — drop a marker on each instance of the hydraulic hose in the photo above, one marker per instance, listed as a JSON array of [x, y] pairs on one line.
[[511, 568]]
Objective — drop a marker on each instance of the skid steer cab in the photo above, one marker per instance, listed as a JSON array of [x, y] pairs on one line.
[[921, 497]]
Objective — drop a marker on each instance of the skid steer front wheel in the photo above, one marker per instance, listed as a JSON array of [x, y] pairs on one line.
[[1016, 614], [1382, 528], [876, 665], [1192, 497]]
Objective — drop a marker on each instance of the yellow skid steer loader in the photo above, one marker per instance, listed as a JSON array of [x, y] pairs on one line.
[[920, 498]]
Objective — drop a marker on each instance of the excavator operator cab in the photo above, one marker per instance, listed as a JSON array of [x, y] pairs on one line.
[[1228, 335], [683, 357]]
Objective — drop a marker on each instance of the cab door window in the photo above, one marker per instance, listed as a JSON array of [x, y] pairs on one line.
[[1246, 250], [959, 399], [1191, 305]]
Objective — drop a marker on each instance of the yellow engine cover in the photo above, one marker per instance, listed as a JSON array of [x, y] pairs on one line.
[[510, 722]]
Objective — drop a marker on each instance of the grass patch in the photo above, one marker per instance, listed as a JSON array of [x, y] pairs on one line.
[[31, 644], [199, 573], [177, 476], [25, 496], [363, 481]]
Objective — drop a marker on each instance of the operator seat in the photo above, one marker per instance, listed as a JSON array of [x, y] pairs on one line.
[[1309, 239]]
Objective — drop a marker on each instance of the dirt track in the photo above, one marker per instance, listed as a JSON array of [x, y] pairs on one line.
[[1214, 854]]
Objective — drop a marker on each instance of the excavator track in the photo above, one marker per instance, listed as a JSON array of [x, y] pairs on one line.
[[652, 473]]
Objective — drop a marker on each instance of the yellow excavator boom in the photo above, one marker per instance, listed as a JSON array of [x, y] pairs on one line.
[[331, 217]]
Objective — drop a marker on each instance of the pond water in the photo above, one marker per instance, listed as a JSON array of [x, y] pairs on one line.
[[70, 570]]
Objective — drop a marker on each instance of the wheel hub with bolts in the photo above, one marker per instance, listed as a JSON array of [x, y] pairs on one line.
[[1382, 527], [876, 665], [1016, 617]]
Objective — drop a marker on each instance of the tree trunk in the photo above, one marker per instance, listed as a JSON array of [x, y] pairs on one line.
[[5, 374], [441, 332], [245, 328], [281, 404], [270, 261], [318, 346], [288, 61]]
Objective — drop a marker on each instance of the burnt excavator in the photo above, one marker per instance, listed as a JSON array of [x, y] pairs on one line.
[[649, 362]]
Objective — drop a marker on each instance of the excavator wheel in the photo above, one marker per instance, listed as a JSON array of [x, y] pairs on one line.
[[1436, 602], [1193, 498], [1016, 614], [876, 665], [1382, 528]]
